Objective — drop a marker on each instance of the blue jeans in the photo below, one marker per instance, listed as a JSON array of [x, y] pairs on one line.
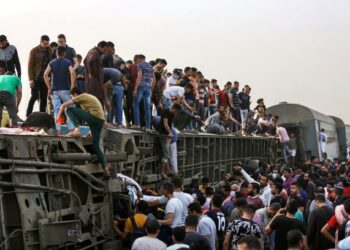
[[59, 97], [119, 92], [166, 102], [143, 92]]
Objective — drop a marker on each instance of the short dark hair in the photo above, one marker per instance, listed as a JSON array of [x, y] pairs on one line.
[[209, 191], [110, 44], [205, 180], [249, 208], [152, 226], [195, 207], [75, 91], [252, 242], [142, 57], [294, 237], [176, 106], [241, 202], [201, 198], [79, 57], [168, 187], [61, 51], [191, 220], [292, 206], [176, 180], [187, 69], [347, 205], [289, 170], [217, 200], [45, 38], [256, 186], [142, 206], [179, 233], [163, 61], [275, 206], [3, 38], [320, 198], [102, 44], [61, 36], [189, 86], [53, 45]]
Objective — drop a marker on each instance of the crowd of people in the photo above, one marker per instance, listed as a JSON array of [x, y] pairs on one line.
[[109, 89], [305, 206]]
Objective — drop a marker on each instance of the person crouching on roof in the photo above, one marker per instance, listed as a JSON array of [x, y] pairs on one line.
[[90, 111]]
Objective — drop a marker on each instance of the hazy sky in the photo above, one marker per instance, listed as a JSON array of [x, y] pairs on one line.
[[296, 51]]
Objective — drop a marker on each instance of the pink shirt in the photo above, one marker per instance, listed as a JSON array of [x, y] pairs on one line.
[[282, 134]]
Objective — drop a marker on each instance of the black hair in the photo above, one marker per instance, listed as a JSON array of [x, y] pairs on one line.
[[152, 226], [189, 86], [278, 187], [249, 208], [45, 38], [76, 91], [209, 191], [252, 242], [217, 200], [205, 179], [168, 187], [176, 180], [79, 57], [142, 206], [241, 202], [195, 207], [320, 198], [129, 62], [110, 44], [176, 106], [294, 237], [292, 206], [347, 205], [201, 198], [193, 69], [191, 220], [179, 233], [102, 44], [53, 45], [62, 36], [275, 206], [163, 61], [187, 69], [256, 186], [61, 51], [3, 38]]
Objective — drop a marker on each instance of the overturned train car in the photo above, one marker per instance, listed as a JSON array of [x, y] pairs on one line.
[[53, 195]]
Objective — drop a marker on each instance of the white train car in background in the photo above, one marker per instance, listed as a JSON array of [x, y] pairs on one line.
[[306, 124]]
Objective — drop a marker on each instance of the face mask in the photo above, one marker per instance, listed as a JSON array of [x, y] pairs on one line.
[[274, 175], [232, 193]]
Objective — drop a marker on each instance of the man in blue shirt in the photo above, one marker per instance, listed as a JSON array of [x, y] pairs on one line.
[[63, 79], [142, 90]]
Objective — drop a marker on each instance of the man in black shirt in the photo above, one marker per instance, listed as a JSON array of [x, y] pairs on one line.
[[318, 218], [218, 217], [283, 222], [164, 129]]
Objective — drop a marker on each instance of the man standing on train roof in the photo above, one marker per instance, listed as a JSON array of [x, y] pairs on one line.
[[94, 71], [283, 136], [323, 139], [69, 51], [9, 56]]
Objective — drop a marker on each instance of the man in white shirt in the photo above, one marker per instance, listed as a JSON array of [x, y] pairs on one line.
[[150, 241], [172, 80], [323, 140], [206, 225], [173, 209]]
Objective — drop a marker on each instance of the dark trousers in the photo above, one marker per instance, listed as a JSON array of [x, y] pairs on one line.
[[9, 101], [38, 92], [128, 106], [77, 115]]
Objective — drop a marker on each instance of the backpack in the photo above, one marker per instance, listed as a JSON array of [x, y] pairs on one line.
[[137, 232]]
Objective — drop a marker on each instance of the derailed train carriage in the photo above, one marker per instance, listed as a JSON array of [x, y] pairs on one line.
[[53, 196], [306, 123]]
